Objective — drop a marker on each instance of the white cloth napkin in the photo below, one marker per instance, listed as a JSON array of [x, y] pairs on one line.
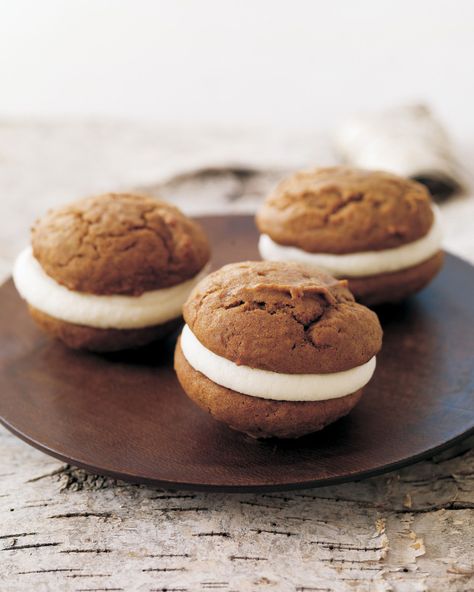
[[408, 141]]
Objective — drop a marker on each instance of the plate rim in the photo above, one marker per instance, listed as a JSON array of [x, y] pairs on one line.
[[227, 488]]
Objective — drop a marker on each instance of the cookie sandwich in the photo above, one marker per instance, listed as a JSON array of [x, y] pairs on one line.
[[275, 349], [376, 229], [111, 272]]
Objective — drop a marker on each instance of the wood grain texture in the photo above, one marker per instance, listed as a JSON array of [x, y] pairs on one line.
[[64, 529]]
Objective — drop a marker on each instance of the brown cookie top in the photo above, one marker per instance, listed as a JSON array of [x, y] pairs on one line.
[[119, 244], [282, 317], [343, 210]]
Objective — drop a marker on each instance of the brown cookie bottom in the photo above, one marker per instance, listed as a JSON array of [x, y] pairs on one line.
[[101, 340], [257, 417], [395, 286]]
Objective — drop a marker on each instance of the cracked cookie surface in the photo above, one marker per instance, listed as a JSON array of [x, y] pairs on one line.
[[282, 317], [119, 244], [343, 210]]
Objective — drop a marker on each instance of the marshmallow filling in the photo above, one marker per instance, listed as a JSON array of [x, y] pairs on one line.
[[363, 263], [154, 307], [273, 385]]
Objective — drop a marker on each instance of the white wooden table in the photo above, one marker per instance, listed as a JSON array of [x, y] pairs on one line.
[[62, 529]]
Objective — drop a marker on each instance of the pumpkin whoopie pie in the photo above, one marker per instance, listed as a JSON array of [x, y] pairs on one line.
[[111, 272], [275, 349], [377, 230]]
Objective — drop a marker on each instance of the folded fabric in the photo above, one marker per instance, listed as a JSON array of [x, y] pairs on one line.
[[408, 141]]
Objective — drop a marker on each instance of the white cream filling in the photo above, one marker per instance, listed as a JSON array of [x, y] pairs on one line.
[[103, 312], [273, 385], [363, 263]]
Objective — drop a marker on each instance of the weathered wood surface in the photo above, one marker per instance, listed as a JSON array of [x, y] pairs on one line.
[[61, 529]]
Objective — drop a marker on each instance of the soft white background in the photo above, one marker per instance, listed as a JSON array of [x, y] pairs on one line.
[[281, 63]]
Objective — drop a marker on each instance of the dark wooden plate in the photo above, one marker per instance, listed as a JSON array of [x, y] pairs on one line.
[[125, 415]]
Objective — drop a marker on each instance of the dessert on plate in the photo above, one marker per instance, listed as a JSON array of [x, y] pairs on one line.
[[275, 349], [111, 272], [379, 231]]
